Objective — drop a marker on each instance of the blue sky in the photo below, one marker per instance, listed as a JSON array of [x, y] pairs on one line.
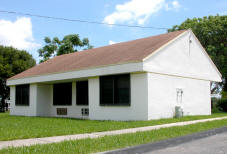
[[27, 33]]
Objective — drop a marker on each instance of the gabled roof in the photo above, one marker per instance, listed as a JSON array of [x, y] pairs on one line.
[[125, 52]]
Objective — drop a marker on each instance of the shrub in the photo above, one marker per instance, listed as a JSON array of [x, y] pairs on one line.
[[224, 95], [214, 106], [222, 105]]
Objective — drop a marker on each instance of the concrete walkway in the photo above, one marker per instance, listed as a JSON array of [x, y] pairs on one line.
[[54, 139]]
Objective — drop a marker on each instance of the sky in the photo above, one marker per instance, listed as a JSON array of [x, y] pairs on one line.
[[27, 33]]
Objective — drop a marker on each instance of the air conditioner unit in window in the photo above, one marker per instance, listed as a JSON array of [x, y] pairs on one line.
[[61, 111], [84, 111]]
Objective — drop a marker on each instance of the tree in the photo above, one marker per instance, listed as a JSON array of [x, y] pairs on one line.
[[12, 62], [70, 43], [212, 33]]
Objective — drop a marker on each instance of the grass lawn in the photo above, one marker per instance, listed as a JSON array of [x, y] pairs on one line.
[[20, 127], [116, 141]]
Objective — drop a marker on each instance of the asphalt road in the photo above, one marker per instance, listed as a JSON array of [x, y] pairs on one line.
[[216, 144], [208, 142]]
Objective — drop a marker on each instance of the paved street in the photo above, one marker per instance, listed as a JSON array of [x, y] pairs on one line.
[[216, 144], [208, 142]]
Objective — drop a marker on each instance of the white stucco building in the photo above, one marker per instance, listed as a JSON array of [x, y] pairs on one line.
[[137, 80]]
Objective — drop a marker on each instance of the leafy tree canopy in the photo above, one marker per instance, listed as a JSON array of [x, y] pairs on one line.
[[12, 62], [70, 43], [212, 33]]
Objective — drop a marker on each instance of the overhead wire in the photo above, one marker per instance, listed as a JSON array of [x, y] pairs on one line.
[[79, 20]]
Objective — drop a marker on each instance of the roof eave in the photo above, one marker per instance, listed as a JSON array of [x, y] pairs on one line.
[[129, 67]]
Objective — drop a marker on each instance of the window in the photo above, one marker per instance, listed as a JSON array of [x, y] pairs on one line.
[[62, 94], [22, 95], [82, 93], [115, 90]]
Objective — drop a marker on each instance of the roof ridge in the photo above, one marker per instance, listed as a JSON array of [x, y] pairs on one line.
[[77, 52]]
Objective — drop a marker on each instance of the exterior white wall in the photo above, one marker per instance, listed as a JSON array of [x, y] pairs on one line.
[[73, 110], [153, 96], [24, 110], [162, 96], [136, 111], [43, 99], [183, 59], [41, 103]]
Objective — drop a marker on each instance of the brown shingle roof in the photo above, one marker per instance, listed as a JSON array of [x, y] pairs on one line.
[[131, 51]]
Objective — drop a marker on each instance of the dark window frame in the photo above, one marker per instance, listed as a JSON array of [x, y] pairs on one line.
[[56, 94], [20, 94], [114, 79], [78, 102]]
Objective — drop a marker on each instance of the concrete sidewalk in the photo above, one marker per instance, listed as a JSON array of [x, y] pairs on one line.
[[54, 139]]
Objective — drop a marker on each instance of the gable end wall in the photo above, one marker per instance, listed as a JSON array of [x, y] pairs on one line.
[[184, 59]]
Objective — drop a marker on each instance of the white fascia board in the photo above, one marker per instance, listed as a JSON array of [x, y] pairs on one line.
[[84, 73]]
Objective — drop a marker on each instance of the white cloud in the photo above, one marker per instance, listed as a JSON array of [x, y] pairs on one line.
[[138, 11], [111, 42], [17, 34], [174, 5]]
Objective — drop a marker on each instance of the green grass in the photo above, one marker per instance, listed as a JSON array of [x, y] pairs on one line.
[[20, 127], [117, 141]]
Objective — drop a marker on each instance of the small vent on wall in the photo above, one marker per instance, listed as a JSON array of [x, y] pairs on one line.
[[84, 111], [61, 111]]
